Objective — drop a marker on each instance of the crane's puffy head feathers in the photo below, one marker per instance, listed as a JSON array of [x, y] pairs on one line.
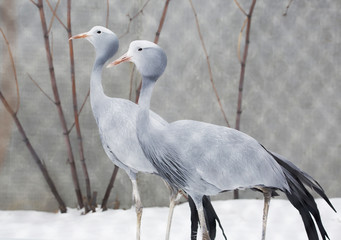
[[149, 58]]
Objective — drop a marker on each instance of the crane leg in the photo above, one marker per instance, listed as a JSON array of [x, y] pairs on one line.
[[205, 234], [174, 197], [170, 216], [138, 208], [202, 220], [267, 198]]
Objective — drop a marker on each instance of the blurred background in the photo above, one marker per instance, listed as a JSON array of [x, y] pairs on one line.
[[291, 95]]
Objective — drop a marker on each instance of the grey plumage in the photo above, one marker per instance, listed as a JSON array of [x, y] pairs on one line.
[[205, 159], [116, 119]]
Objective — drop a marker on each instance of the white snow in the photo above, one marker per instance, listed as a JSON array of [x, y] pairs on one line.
[[241, 219]]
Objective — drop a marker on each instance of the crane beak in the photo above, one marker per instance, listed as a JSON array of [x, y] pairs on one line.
[[82, 35], [123, 58]]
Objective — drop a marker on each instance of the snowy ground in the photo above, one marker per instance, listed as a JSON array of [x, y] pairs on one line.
[[240, 218]]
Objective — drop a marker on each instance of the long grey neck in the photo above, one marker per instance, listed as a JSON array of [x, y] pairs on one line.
[[96, 88], [143, 119], [146, 92]]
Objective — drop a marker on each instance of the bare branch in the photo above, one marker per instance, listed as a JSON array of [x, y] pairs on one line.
[[75, 107], [37, 85], [208, 64], [58, 104], [35, 156], [39, 162], [132, 18], [240, 7], [287, 8], [14, 70], [242, 70], [54, 14], [243, 65], [51, 44], [162, 20]]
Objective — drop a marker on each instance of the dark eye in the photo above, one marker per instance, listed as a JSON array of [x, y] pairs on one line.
[[140, 49], [99, 32]]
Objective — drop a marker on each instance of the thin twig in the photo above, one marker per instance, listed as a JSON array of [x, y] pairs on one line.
[[132, 18], [37, 85], [80, 110], [54, 14], [240, 7], [156, 40], [287, 8], [85, 99], [13, 69], [141, 10], [208, 64], [107, 18], [34, 3], [240, 40]]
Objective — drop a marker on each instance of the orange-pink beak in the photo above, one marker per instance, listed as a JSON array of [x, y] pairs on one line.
[[123, 58], [82, 35]]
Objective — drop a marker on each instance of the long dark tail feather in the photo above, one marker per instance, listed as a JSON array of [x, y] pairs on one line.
[[301, 206], [194, 218], [303, 176], [210, 216], [300, 197]]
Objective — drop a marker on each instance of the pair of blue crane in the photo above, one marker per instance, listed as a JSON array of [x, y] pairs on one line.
[[196, 157]]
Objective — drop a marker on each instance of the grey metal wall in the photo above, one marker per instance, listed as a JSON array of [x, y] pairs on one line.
[[291, 104]]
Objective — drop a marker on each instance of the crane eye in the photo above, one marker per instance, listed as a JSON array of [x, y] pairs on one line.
[[99, 32], [140, 49]]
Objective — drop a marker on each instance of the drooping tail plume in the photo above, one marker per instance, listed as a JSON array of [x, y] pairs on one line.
[[300, 197]]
